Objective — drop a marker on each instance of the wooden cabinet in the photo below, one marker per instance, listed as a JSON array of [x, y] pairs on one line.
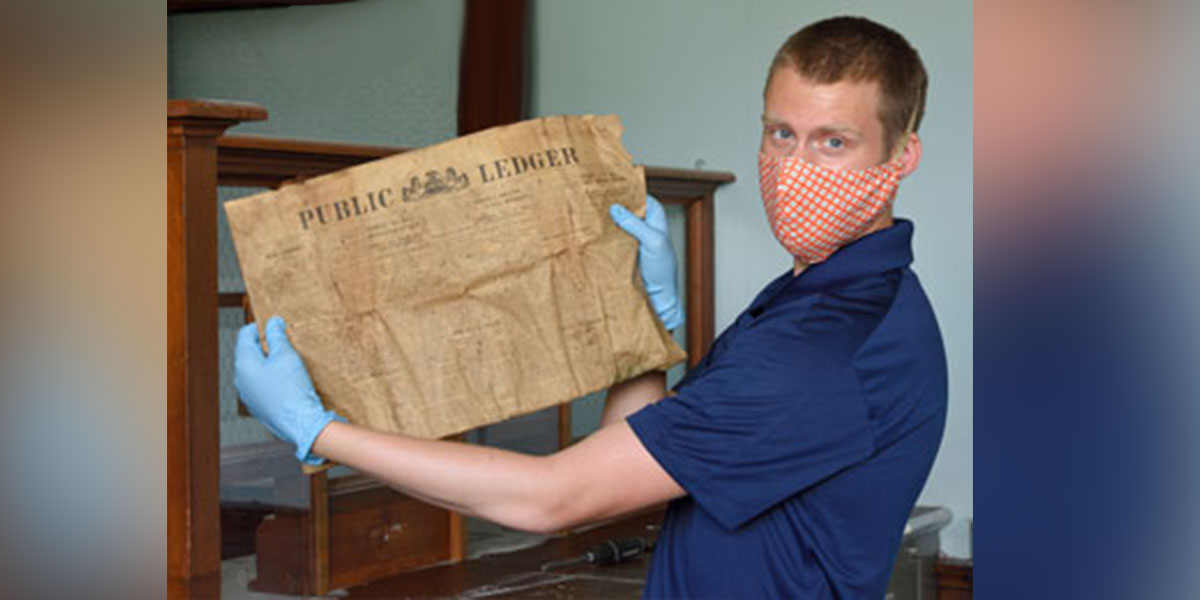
[[376, 532], [372, 532], [955, 579]]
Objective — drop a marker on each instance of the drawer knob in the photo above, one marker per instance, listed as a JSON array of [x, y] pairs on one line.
[[386, 531]]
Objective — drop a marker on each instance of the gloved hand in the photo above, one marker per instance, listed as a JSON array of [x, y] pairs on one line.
[[277, 389], [656, 258]]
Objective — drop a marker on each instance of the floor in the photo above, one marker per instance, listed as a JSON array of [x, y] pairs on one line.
[[501, 564]]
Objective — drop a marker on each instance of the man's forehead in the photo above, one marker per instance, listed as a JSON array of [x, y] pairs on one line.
[[846, 104], [769, 118]]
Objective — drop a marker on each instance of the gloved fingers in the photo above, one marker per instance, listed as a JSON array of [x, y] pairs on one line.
[[277, 339], [656, 217], [631, 223], [248, 348]]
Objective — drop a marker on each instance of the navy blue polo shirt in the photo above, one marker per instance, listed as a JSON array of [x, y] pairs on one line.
[[804, 436]]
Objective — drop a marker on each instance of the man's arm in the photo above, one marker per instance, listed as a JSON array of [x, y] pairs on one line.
[[656, 264], [607, 474], [630, 396]]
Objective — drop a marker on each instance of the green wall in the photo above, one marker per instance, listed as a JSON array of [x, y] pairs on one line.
[[370, 71]]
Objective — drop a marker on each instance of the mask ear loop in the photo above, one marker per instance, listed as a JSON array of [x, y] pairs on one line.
[[908, 130]]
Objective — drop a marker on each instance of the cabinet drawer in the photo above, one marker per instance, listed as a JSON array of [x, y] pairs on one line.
[[374, 532], [377, 532]]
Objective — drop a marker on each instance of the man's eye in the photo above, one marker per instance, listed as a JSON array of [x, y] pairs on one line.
[[835, 143], [781, 134]]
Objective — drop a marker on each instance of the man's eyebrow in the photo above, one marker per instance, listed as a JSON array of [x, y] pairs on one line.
[[840, 128]]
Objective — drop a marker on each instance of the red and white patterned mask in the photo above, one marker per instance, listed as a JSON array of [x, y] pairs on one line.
[[815, 210]]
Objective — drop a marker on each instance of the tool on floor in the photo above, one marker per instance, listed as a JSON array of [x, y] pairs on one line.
[[608, 553]]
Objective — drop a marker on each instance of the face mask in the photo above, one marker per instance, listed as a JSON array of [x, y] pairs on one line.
[[815, 210]]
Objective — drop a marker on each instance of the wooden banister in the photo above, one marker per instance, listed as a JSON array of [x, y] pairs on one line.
[[230, 111], [193, 436]]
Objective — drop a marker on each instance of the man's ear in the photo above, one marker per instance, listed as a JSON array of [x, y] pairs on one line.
[[910, 157]]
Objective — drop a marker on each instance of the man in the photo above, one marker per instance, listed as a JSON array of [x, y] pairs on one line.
[[793, 453]]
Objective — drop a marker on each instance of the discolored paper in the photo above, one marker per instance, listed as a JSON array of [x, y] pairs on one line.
[[459, 285]]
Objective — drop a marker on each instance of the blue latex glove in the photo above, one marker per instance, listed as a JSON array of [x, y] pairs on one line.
[[278, 390], [656, 258]]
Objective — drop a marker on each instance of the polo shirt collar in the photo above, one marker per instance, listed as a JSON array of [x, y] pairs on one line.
[[879, 252]]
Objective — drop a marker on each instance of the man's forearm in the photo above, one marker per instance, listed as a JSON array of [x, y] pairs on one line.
[[517, 490], [512, 489], [630, 396]]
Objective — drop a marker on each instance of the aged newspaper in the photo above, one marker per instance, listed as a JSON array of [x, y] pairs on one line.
[[462, 284]]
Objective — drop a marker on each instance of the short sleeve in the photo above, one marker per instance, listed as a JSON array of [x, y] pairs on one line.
[[757, 428]]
